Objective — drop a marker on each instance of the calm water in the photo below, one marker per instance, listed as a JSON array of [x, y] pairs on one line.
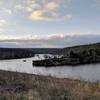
[[84, 72]]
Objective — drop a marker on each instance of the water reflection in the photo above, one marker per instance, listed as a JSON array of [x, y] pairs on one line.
[[84, 72]]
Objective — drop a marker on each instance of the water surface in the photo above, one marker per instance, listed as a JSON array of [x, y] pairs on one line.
[[89, 72]]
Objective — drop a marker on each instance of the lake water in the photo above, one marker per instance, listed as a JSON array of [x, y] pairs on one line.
[[89, 72]]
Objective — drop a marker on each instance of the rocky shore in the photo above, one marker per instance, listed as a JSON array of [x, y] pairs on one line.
[[65, 61], [78, 55]]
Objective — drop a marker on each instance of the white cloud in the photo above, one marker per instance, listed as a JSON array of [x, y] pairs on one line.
[[45, 41], [30, 2], [8, 11], [1, 30], [19, 7], [24, 5], [5, 12], [29, 9], [48, 10], [43, 37], [3, 22]]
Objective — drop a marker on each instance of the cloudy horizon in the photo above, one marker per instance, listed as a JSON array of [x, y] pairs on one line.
[[49, 41], [49, 23]]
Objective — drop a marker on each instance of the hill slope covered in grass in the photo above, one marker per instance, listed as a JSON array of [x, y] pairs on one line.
[[17, 86]]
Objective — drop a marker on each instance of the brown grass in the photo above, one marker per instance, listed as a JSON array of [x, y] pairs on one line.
[[17, 86]]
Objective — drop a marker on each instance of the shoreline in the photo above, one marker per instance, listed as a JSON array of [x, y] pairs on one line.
[[62, 62]]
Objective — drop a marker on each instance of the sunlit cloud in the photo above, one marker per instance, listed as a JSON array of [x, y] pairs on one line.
[[48, 16], [42, 15], [52, 5], [43, 9]]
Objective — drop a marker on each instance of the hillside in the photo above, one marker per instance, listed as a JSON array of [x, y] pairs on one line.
[[15, 53], [17, 86], [77, 55], [81, 48]]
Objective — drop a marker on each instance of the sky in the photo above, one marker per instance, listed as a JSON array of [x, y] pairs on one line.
[[49, 23]]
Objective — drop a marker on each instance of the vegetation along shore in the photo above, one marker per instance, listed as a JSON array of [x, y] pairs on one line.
[[77, 55]]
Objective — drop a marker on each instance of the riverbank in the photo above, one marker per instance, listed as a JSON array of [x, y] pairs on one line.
[[17, 86], [73, 56], [66, 61]]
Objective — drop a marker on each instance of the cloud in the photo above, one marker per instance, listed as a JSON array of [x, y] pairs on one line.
[[50, 11], [1, 30], [19, 7], [45, 10], [3, 22], [8, 11], [28, 7], [48, 16], [31, 1], [5, 11], [42, 15], [44, 37], [52, 5], [45, 41], [24, 5]]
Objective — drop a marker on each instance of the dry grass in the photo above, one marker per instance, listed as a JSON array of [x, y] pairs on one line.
[[16, 86]]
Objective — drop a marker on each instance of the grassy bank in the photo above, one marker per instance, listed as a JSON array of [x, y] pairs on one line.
[[17, 86]]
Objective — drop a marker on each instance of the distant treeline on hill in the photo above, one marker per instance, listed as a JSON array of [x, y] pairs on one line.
[[81, 48], [15, 53]]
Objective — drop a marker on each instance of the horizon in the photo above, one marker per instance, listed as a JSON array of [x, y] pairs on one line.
[[49, 23]]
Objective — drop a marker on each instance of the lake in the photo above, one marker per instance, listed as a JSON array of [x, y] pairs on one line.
[[89, 72]]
